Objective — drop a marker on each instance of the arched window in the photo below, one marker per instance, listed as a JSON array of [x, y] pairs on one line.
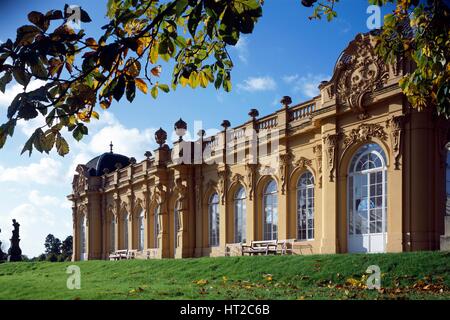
[[213, 215], [270, 211], [240, 211], [112, 234], [156, 226], [141, 231], [176, 223], [367, 205], [305, 207], [125, 229], [83, 229]]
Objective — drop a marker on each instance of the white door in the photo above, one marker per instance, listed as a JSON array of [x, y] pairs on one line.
[[367, 201]]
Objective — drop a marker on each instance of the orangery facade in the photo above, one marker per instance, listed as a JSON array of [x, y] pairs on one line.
[[355, 169]]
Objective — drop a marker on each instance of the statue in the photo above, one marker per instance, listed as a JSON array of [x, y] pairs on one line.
[[15, 253], [2, 254]]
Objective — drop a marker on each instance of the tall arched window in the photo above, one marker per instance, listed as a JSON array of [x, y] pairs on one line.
[[305, 207], [141, 231], [240, 211], [112, 234], [156, 226], [367, 205], [213, 215], [270, 211], [125, 230], [176, 223], [83, 229]]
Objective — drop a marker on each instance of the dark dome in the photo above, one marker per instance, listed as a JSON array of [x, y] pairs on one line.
[[108, 160]]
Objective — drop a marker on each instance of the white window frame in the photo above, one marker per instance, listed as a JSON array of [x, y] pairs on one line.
[[273, 197], [309, 205], [240, 215], [213, 220]]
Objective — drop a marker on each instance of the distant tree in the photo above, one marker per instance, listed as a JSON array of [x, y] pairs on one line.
[[66, 248], [52, 245]]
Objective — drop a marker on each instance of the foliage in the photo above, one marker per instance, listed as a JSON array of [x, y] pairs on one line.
[[81, 72], [66, 249], [418, 31], [418, 275], [52, 245]]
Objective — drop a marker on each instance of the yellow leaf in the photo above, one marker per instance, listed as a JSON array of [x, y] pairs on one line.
[[141, 85], [104, 105], [95, 115], [154, 52]]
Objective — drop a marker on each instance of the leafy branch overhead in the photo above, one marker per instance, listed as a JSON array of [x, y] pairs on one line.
[[81, 72]]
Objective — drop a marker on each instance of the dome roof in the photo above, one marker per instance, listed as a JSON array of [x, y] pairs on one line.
[[108, 160]]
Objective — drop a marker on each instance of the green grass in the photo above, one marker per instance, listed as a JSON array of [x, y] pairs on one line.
[[421, 275]]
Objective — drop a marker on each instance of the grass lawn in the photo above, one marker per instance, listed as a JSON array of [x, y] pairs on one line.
[[421, 275]]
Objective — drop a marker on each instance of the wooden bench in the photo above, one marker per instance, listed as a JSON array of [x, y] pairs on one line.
[[131, 254], [118, 255], [260, 247], [285, 246]]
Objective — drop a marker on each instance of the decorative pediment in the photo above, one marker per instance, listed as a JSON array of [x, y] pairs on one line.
[[365, 132], [357, 74]]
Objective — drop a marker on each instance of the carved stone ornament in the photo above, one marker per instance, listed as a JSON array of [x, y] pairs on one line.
[[181, 193], [365, 132], [222, 184], [331, 142], [79, 181], [302, 162], [317, 149], [358, 73], [251, 175], [158, 193], [396, 126], [285, 160]]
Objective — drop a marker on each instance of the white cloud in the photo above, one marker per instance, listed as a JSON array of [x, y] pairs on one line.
[[307, 86], [254, 84], [14, 89], [241, 48], [131, 142], [290, 78], [41, 200], [46, 171]]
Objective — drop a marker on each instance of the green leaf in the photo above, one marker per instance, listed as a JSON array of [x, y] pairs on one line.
[[131, 90], [7, 77], [180, 7], [21, 77], [164, 87], [62, 146], [154, 92], [119, 89], [194, 19]]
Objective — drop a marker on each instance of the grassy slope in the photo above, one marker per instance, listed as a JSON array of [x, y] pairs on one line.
[[408, 275]]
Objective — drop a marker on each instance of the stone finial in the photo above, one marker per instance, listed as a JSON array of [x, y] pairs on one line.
[[111, 147], [286, 101], [147, 155], [253, 114], [160, 137], [201, 133], [226, 124], [308, 3], [133, 160], [180, 128], [118, 165]]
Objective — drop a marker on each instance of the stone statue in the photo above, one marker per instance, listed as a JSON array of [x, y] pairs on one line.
[[15, 253], [2, 254]]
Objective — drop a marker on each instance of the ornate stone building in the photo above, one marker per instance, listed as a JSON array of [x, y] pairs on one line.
[[355, 169]]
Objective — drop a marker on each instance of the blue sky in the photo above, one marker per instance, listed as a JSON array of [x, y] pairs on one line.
[[286, 55]]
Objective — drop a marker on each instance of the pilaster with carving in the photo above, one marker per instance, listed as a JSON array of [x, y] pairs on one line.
[[396, 125], [331, 142], [222, 183], [251, 169], [317, 149], [285, 160]]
